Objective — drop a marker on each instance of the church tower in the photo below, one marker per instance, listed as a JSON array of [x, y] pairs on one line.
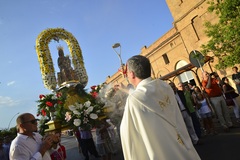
[[189, 19]]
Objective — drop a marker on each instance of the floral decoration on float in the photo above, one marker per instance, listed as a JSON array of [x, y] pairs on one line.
[[96, 107], [69, 97], [50, 104], [45, 59], [103, 101], [84, 115], [65, 91]]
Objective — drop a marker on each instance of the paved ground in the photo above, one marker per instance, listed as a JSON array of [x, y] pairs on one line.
[[73, 152], [224, 146]]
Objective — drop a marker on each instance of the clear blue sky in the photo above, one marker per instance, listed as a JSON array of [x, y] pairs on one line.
[[96, 24]]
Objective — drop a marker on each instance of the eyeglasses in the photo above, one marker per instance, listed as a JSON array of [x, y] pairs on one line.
[[34, 121]]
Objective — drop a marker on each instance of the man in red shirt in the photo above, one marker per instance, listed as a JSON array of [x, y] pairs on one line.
[[211, 86]]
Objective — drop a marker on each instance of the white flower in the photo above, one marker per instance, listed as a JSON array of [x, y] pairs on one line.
[[42, 98], [87, 104], [102, 85], [77, 122], [76, 112], [85, 120], [89, 110], [93, 116], [78, 105], [55, 105], [72, 107], [54, 97]]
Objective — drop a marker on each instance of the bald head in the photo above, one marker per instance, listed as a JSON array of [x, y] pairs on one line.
[[26, 124], [23, 117]]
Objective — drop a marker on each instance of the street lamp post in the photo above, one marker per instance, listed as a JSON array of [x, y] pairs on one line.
[[118, 45], [12, 119]]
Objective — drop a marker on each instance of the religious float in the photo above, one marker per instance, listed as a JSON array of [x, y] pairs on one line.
[[69, 105]]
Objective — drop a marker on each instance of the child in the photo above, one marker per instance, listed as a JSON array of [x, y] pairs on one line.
[[205, 113], [111, 131], [58, 150], [103, 141]]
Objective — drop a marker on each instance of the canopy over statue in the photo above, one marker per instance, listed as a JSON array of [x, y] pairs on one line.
[[67, 74]]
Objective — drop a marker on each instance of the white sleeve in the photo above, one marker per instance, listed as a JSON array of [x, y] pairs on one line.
[[36, 156], [20, 153]]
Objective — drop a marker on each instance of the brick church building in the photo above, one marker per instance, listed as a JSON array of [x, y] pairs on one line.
[[169, 55]]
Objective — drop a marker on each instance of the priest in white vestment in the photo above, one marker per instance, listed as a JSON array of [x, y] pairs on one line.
[[152, 126]]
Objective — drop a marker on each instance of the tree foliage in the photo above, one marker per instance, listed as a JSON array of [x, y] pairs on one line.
[[224, 35], [11, 133]]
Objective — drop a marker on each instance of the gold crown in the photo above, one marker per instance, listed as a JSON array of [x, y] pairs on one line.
[[60, 47]]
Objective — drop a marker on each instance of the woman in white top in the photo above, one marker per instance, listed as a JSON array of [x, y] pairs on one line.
[[206, 113]]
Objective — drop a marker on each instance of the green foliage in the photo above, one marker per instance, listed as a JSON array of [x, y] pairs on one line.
[[57, 103], [43, 126], [11, 133], [50, 103], [224, 36]]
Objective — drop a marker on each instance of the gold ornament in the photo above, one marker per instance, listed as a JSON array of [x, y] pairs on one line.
[[45, 59]]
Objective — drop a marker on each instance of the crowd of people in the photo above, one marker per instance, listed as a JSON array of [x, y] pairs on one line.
[[160, 121], [4, 148]]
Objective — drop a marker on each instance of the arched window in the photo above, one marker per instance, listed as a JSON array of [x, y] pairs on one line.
[[186, 76]]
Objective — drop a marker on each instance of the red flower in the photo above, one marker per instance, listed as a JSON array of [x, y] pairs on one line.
[[41, 96], [49, 104], [43, 112], [93, 88], [94, 94], [59, 94], [59, 102]]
